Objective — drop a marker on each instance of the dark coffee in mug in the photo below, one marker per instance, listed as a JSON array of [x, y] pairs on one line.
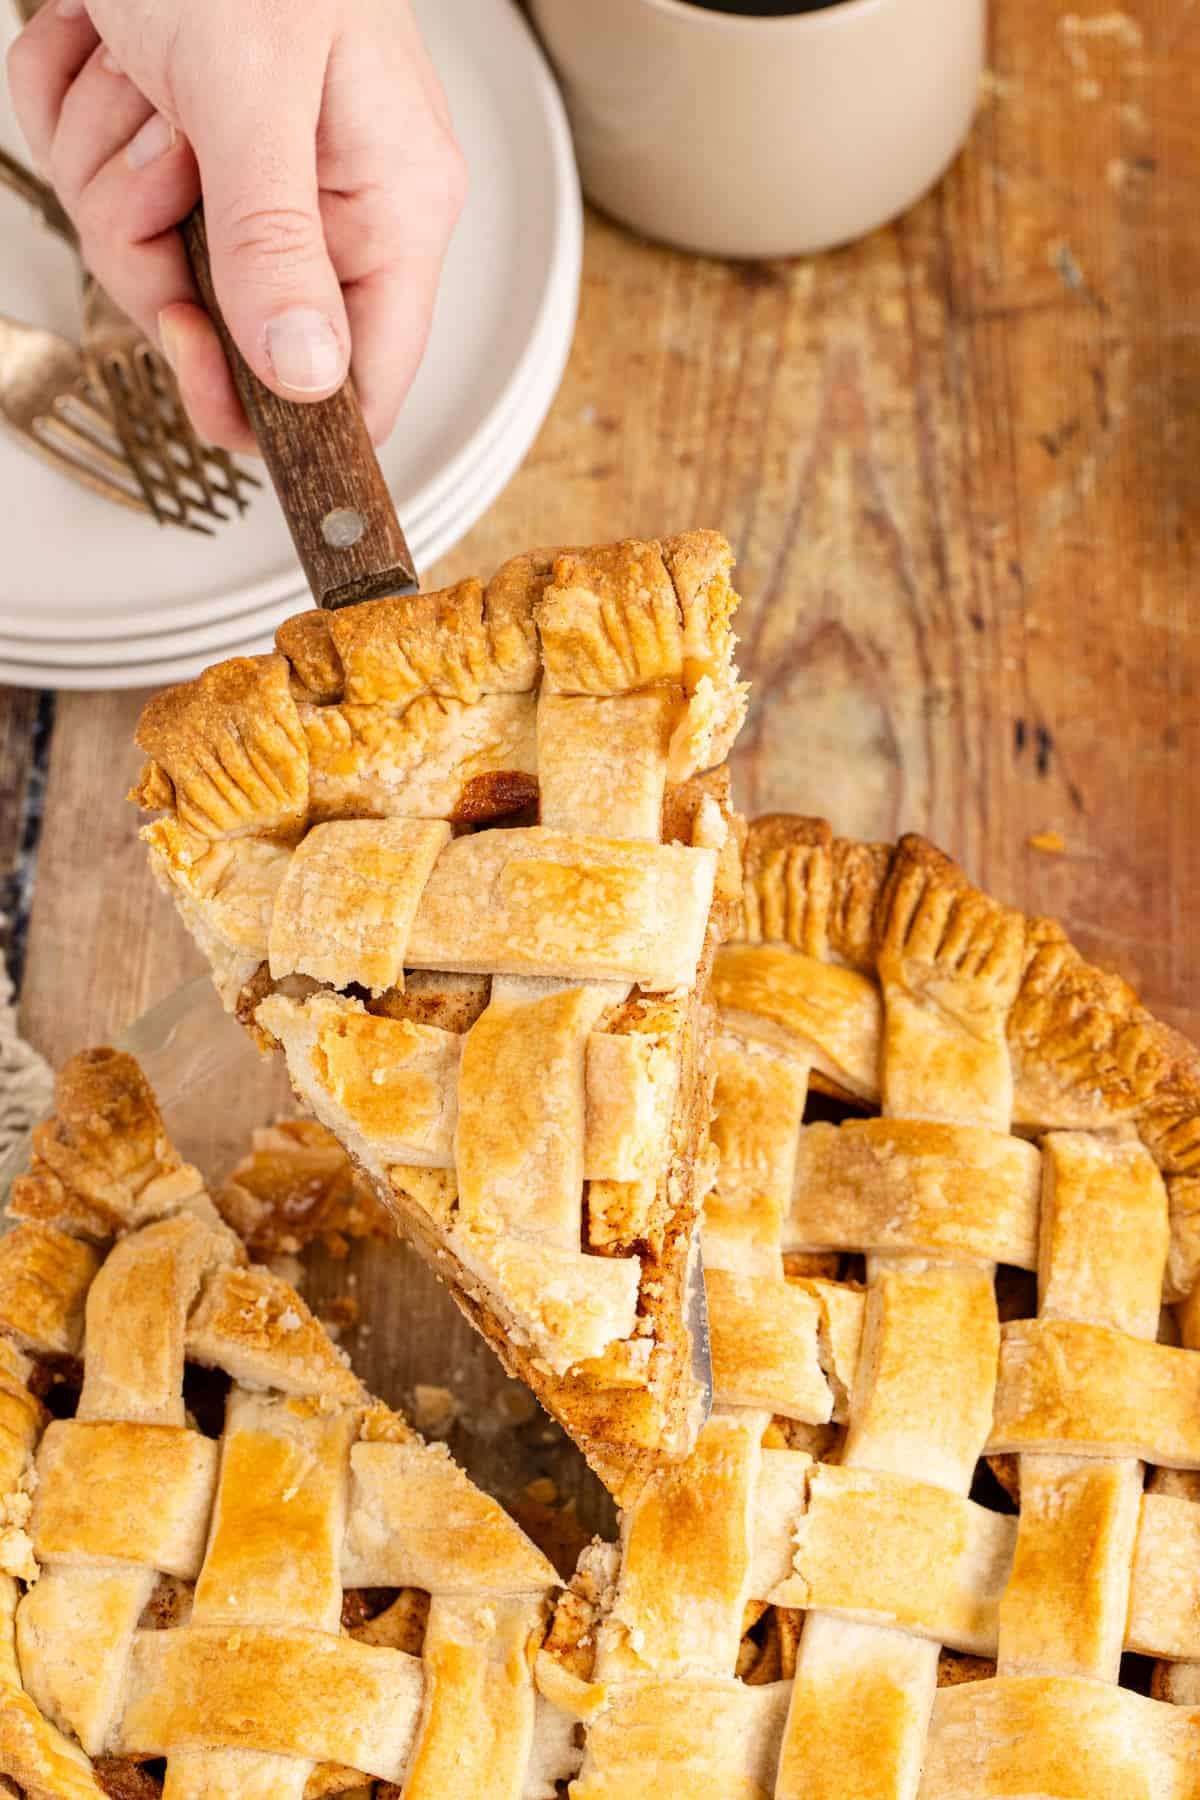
[[765, 9]]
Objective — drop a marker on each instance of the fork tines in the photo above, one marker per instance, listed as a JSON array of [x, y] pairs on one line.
[[182, 479], [79, 434]]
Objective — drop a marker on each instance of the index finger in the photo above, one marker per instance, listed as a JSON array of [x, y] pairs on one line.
[[42, 63]]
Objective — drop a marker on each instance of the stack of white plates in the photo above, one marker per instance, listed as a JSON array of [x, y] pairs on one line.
[[94, 596]]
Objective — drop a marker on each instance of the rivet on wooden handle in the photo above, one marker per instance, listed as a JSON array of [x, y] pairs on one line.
[[325, 471]]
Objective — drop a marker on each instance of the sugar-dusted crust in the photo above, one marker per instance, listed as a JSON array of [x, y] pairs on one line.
[[932, 1512], [317, 1602], [231, 747], [1027, 1732], [104, 1160], [383, 846], [638, 1400], [244, 749], [1085, 1052]]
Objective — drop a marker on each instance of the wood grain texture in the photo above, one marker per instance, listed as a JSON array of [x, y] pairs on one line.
[[960, 462]]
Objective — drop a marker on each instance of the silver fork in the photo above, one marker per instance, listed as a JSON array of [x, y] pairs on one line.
[[182, 479], [181, 476], [47, 400]]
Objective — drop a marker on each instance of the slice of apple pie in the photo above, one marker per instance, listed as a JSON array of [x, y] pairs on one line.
[[466, 858]]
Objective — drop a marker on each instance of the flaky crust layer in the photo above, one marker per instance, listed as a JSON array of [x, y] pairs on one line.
[[1085, 1050], [243, 750]]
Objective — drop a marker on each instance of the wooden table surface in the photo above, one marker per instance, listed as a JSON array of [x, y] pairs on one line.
[[960, 462]]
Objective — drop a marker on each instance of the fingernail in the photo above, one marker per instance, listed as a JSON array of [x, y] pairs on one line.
[[304, 350], [167, 340], [152, 141], [108, 61], [71, 9]]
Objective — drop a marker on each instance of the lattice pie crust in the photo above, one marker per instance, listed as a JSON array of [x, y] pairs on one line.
[[958, 1530], [928, 1547], [294, 1596], [500, 1011]]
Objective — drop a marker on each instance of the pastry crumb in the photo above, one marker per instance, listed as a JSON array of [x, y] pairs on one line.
[[16, 1554], [1050, 843], [518, 1405], [435, 1410], [288, 1268], [542, 1491]]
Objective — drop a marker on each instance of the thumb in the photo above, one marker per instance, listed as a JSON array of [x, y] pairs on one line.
[[276, 286]]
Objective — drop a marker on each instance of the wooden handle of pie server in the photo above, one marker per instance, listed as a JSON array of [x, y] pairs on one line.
[[323, 464]]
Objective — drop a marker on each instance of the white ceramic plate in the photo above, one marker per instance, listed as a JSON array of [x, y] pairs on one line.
[[75, 566], [481, 481], [444, 531]]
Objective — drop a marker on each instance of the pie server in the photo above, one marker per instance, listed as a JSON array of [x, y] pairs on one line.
[[321, 459], [352, 547]]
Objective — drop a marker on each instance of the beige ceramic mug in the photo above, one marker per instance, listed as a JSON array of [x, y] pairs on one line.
[[744, 136]]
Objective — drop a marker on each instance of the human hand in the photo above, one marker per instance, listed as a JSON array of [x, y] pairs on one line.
[[321, 139]]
